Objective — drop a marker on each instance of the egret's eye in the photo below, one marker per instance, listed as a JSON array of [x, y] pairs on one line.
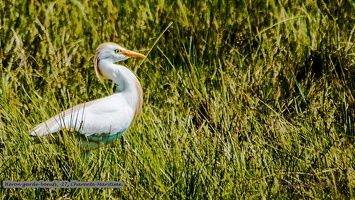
[[117, 51]]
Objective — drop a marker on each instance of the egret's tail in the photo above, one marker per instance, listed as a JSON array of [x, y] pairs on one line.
[[67, 119], [52, 125]]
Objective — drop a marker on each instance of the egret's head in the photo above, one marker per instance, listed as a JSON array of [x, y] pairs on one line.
[[112, 52]]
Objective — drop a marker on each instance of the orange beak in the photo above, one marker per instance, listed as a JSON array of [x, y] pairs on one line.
[[132, 54]]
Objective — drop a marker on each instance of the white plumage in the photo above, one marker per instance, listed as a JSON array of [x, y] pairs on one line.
[[103, 120]]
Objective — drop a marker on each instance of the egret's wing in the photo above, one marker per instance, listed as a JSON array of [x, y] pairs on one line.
[[108, 115]]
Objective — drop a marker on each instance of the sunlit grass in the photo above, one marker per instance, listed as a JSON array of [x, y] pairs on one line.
[[241, 99]]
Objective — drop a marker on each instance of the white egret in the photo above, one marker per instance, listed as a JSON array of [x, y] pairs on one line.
[[103, 120]]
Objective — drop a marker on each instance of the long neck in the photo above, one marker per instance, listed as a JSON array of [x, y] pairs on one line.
[[127, 83]]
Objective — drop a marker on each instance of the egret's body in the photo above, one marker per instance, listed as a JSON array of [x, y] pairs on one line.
[[103, 120]]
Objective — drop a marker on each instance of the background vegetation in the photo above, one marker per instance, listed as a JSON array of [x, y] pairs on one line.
[[242, 99]]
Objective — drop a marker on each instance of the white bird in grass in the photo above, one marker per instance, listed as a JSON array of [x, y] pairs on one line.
[[103, 120]]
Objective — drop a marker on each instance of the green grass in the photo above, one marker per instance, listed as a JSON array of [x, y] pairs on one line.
[[242, 99]]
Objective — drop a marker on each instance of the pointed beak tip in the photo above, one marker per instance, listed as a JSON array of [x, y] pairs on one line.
[[139, 55]]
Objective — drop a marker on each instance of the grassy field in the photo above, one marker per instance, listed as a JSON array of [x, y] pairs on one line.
[[242, 99]]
